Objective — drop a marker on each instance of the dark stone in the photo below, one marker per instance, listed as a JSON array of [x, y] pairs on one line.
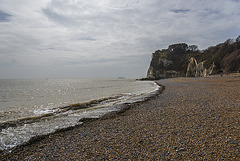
[[181, 150], [175, 147]]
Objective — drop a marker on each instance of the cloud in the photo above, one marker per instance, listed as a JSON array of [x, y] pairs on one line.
[[4, 17], [58, 37], [180, 10]]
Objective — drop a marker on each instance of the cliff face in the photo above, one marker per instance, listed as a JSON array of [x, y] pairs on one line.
[[183, 60], [231, 61], [168, 63], [162, 68], [195, 69]]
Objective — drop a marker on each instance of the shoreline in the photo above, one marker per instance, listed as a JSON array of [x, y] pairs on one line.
[[25, 129], [193, 118], [121, 108]]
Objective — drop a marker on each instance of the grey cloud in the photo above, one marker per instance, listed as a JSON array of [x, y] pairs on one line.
[[180, 10], [71, 36], [85, 14], [87, 39], [55, 16], [4, 17], [8, 63]]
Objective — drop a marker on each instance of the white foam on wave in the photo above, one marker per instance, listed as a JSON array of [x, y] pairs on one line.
[[44, 111], [18, 135]]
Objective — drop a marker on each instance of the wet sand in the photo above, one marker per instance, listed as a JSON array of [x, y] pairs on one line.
[[193, 119]]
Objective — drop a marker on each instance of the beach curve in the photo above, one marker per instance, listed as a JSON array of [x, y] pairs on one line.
[[193, 119]]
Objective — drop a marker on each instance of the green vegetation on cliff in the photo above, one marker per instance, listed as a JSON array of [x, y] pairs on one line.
[[174, 61], [226, 56]]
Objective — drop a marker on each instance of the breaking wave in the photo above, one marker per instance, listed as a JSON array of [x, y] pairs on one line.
[[48, 120]]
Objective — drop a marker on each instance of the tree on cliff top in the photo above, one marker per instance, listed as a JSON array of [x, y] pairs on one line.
[[193, 48], [180, 48]]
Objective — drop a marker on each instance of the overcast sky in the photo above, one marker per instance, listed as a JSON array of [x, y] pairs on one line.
[[105, 38]]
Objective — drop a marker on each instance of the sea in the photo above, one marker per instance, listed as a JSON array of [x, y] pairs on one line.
[[31, 108]]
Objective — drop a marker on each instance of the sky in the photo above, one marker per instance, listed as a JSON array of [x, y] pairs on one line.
[[105, 38]]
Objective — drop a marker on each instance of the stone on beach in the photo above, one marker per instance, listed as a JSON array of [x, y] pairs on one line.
[[193, 119]]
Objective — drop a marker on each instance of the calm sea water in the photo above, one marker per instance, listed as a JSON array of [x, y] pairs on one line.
[[30, 108]]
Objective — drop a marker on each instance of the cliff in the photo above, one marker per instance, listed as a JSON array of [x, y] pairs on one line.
[[171, 62], [186, 60], [196, 69]]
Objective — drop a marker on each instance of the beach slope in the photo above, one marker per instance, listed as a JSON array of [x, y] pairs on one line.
[[193, 119]]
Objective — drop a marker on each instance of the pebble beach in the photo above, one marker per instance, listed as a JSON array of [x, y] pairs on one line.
[[191, 119]]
